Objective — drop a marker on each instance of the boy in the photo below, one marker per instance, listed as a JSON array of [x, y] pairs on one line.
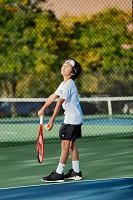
[[71, 128]]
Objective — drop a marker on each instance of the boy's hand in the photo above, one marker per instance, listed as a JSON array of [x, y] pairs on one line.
[[50, 124], [41, 112]]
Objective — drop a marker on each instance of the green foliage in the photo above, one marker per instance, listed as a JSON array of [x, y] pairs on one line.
[[27, 45], [98, 46], [34, 44]]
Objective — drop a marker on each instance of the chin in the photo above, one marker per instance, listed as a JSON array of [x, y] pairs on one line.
[[62, 72]]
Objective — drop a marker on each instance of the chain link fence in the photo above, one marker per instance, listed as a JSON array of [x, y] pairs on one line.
[[35, 38]]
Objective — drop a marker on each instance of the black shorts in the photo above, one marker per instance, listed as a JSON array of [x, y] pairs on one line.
[[70, 132]]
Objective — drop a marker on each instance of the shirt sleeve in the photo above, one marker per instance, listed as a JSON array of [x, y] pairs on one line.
[[63, 92], [59, 90]]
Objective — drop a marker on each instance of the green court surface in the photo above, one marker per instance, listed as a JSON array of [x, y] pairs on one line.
[[98, 160], [106, 150]]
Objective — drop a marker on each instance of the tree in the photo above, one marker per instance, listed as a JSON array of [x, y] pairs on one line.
[[33, 45], [26, 44], [97, 46]]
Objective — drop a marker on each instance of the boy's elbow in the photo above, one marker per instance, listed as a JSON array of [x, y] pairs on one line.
[[61, 100], [53, 96]]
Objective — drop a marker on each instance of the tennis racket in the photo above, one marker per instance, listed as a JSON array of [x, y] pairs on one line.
[[40, 142]]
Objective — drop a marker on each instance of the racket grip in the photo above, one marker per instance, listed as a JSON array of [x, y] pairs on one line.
[[41, 119]]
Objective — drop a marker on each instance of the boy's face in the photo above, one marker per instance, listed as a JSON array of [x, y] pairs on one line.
[[66, 69]]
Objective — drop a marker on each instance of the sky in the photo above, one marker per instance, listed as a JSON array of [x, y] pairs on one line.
[[77, 7]]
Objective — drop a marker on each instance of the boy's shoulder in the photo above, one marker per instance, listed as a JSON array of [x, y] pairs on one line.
[[69, 84]]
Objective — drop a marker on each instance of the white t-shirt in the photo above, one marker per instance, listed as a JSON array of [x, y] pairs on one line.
[[73, 112]]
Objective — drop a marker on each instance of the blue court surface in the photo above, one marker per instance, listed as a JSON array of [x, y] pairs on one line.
[[109, 189]]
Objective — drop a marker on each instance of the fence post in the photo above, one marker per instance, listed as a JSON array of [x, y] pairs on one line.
[[109, 107]]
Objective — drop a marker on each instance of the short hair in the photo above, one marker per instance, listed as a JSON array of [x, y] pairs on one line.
[[76, 67]]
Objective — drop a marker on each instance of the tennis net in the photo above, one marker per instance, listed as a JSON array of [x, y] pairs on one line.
[[104, 118]]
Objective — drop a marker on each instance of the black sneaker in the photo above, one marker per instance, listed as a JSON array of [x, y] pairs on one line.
[[72, 175], [54, 177]]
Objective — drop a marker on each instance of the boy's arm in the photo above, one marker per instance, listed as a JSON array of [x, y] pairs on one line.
[[56, 111], [49, 101]]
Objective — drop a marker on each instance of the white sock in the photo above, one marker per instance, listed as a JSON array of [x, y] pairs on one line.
[[75, 166], [60, 168]]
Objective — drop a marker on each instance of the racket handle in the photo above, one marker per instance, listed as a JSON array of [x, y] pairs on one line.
[[41, 119]]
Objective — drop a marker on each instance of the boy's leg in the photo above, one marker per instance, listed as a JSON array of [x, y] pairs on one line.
[[75, 158], [74, 152], [65, 151], [64, 156], [58, 176], [74, 173]]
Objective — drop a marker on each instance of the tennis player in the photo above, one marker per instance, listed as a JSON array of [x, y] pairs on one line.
[[70, 130]]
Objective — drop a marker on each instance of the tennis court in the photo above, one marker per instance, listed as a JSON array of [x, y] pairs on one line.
[[99, 189], [106, 152], [37, 37]]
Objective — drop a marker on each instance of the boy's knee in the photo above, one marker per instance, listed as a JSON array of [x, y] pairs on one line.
[[65, 144]]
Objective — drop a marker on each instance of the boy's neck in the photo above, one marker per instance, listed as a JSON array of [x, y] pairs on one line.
[[66, 79]]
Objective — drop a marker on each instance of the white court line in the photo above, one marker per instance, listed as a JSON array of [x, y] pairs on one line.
[[8, 132], [65, 182]]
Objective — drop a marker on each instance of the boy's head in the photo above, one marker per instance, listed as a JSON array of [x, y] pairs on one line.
[[76, 67]]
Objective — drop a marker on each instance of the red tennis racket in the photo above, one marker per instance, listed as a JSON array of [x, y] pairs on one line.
[[40, 142]]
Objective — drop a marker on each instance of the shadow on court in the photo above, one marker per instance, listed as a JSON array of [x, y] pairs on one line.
[[111, 189]]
